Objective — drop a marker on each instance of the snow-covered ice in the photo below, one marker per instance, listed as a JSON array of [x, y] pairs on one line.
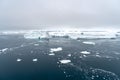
[[56, 49], [34, 60], [65, 61], [69, 55], [18, 60], [36, 44], [92, 43], [51, 54], [3, 50], [85, 52]]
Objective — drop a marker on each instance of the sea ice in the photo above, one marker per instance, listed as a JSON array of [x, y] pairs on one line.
[[52, 54], [92, 43], [18, 60], [85, 52], [56, 49], [34, 60], [65, 61], [3, 50]]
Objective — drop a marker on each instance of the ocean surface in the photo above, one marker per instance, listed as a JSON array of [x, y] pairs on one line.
[[27, 59]]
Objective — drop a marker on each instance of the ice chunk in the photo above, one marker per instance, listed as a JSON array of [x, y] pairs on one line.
[[3, 50], [36, 44], [69, 55], [92, 43], [56, 49], [65, 61], [52, 54], [18, 60], [85, 52], [34, 60]]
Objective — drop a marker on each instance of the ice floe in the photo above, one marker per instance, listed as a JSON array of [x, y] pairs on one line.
[[3, 50], [56, 49], [36, 44], [65, 61], [34, 60], [51, 54], [85, 52], [18, 60], [92, 43], [69, 55]]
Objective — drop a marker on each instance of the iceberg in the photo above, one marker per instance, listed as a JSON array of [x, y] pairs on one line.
[[36, 35]]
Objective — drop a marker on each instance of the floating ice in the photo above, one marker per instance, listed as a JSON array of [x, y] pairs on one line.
[[97, 55], [3, 50], [85, 52], [36, 34], [18, 60], [56, 49], [92, 43], [52, 54], [65, 61], [69, 55], [34, 60], [36, 44]]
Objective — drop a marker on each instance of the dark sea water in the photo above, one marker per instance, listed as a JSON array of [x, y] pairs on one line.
[[102, 64]]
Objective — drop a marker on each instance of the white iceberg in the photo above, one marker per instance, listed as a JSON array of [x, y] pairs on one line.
[[85, 52], [65, 61], [36, 35], [56, 49]]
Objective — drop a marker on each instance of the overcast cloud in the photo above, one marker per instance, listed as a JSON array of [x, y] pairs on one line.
[[31, 14]]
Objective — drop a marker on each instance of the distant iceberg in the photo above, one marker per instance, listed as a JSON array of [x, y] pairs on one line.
[[36, 34]]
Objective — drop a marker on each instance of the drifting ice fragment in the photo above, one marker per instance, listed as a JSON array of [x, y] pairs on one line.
[[85, 52], [69, 55], [36, 44], [55, 49], [34, 60], [92, 43], [65, 61], [3, 50], [52, 54], [18, 60]]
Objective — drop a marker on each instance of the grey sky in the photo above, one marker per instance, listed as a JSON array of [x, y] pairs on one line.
[[30, 14]]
